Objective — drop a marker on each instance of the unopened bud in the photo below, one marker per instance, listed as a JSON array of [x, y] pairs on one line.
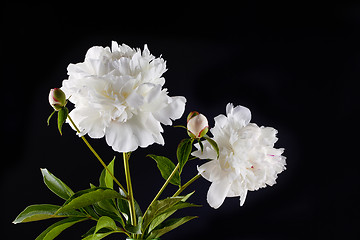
[[197, 125], [57, 98]]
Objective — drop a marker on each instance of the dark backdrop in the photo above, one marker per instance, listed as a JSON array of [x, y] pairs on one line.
[[295, 65]]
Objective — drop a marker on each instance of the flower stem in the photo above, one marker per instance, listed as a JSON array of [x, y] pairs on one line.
[[164, 186], [186, 185], [126, 157], [97, 155], [166, 183]]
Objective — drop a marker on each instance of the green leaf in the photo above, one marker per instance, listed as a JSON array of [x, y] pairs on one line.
[[157, 208], [135, 229], [123, 206], [183, 152], [62, 115], [48, 120], [161, 218], [168, 226], [90, 212], [109, 181], [106, 222], [213, 144], [41, 212], [99, 236], [54, 230], [88, 197], [56, 185], [107, 208], [166, 167], [105, 178]]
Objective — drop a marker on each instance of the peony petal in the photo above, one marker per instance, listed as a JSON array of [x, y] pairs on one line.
[[134, 100], [120, 137], [241, 113], [229, 108], [139, 131], [217, 193], [144, 133], [174, 110], [220, 121], [210, 171], [92, 122], [243, 197], [208, 153]]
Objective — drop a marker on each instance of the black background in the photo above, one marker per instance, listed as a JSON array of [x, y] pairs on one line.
[[295, 65]]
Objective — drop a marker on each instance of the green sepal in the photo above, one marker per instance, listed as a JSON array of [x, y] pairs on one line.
[[48, 120], [213, 144], [166, 167], [183, 152], [62, 115], [180, 126], [54, 230], [56, 185]]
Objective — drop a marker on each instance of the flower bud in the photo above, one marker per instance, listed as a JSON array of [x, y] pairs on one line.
[[57, 98], [197, 125]]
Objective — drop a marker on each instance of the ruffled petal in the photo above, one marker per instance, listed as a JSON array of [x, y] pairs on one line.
[[210, 170], [207, 153], [139, 131], [174, 110], [243, 197], [241, 113], [120, 137], [217, 193]]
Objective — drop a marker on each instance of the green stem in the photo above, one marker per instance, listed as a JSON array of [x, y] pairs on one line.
[[126, 157], [97, 155], [186, 185], [164, 186]]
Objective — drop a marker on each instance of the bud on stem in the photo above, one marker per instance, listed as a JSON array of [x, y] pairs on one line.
[[57, 98], [197, 125]]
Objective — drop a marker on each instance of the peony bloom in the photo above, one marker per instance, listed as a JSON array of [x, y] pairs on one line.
[[248, 160], [118, 94]]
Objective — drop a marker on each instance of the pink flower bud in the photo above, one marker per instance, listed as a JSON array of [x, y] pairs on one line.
[[197, 125], [57, 98]]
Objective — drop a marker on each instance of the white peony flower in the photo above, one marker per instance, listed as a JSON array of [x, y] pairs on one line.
[[248, 160], [118, 94]]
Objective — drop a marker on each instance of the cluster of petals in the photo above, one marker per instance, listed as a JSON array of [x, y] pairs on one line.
[[247, 161], [118, 94]]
